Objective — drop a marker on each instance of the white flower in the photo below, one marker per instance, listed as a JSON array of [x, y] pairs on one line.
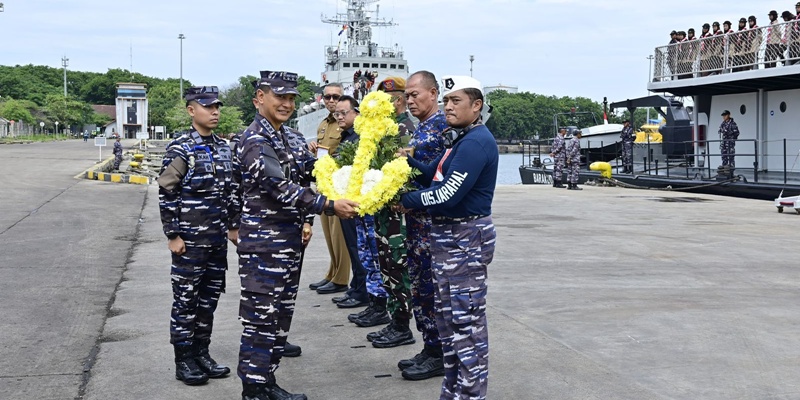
[[371, 178], [341, 179]]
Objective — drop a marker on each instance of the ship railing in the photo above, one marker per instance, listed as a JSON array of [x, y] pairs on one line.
[[532, 152], [750, 49]]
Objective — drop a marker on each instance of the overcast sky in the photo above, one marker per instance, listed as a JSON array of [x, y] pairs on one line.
[[590, 48]]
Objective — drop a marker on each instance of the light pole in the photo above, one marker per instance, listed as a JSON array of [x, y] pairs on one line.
[[56, 128], [471, 59], [65, 63], [181, 37], [649, 78]]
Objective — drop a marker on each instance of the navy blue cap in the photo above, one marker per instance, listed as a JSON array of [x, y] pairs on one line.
[[205, 95], [281, 82]]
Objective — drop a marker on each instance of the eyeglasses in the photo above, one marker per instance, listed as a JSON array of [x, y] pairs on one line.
[[338, 114], [331, 97]]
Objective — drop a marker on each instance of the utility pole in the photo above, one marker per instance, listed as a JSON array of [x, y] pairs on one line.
[[471, 59], [181, 37], [649, 78], [65, 63]]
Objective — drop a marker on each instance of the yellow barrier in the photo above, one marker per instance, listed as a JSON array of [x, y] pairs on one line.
[[603, 167]]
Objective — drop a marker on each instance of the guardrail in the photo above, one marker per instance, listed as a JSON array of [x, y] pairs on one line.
[[764, 47]]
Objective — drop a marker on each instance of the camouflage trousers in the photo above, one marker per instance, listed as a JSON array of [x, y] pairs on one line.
[[391, 237], [418, 249], [627, 154], [368, 254], [117, 161], [573, 171], [266, 306], [461, 253], [728, 150], [558, 166], [198, 279]]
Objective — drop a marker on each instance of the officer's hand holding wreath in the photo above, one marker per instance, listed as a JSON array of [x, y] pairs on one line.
[[345, 209]]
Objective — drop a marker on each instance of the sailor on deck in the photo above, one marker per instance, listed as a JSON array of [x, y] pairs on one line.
[[728, 133], [557, 151]]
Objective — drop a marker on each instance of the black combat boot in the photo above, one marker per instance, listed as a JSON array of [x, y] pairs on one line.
[[417, 359], [186, 368], [254, 391], [574, 186], [353, 317], [431, 366], [374, 335], [378, 316], [275, 392], [557, 183], [291, 350], [398, 334], [206, 363]]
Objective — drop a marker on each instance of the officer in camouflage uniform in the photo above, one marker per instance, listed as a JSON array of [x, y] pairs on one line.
[[558, 152], [627, 137], [390, 229], [427, 142], [117, 153], [276, 215], [194, 199], [460, 188], [574, 160], [728, 133]]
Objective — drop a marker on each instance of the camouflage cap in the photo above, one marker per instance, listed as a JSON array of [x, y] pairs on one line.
[[280, 82], [205, 95]]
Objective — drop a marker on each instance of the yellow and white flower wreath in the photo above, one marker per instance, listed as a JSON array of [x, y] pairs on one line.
[[371, 188]]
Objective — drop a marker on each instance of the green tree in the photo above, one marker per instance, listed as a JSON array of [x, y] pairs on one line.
[[162, 99], [68, 111], [15, 110], [240, 95], [230, 120], [178, 119]]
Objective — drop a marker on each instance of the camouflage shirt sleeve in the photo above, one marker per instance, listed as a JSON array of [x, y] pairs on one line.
[[169, 202], [279, 188], [235, 201]]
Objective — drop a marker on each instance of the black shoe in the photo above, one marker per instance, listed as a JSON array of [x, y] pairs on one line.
[[317, 285], [557, 183], [291, 350], [394, 336], [417, 359], [354, 317], [254, 391], [339, 299], [207, 364], [186, 368], [275, 392], [374, 335], [378, 316], [430, 367], [351, 303], [331, 287]]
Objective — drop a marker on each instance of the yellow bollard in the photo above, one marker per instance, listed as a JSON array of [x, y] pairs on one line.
[[135, 164], [603, 167], [138, 157]]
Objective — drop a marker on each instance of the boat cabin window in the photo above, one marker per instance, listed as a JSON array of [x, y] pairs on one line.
[[383, 65], [783, 106], [742, 109], [346, 65]]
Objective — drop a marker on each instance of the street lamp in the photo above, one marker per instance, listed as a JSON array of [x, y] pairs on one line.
[[649, 78], [56, 128], [181, 37], [471, 59], [65, 63], [41, 127]]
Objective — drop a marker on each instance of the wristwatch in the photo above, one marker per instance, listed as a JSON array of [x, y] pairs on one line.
[[329, 211]]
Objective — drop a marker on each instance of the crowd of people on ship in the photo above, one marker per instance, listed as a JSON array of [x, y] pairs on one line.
[[721, 48]]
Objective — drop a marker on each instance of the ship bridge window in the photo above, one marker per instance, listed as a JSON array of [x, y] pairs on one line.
[[783, 106], [393, 66], [355, 65], [346, 65], [401, 66], [383, 65], [374, 65]]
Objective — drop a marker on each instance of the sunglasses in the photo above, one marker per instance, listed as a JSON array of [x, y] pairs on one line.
[[331, 97]]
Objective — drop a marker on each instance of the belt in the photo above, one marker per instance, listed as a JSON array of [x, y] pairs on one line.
[[455, 220]]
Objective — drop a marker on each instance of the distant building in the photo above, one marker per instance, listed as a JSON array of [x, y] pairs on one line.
[[509, 89], [108, 129], [132, 109]]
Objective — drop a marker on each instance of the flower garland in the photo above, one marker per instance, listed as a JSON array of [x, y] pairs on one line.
[[371, 188]]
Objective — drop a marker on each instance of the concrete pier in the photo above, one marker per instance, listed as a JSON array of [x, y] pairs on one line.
[[604, 293]]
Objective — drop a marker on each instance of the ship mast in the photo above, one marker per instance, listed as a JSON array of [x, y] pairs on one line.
[[357, 23]]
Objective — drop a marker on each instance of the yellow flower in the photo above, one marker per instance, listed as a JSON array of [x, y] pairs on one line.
[[377, 104]]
